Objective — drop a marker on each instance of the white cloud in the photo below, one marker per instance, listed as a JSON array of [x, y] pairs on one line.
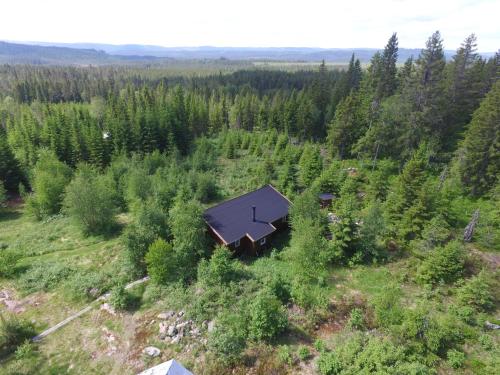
[[314, 23]]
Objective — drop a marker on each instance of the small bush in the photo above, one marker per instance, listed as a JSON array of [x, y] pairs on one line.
[[13, 332], [303, 353], [268, 317], [8, 261], [388, 311], [228, 339], [486, 342], [25, 350], [328, 364], [87, 285], [456, 359], [319, 345], [476, 292], [443, 264], [119, 297], [356, 319], [44, 276], [161, 262], [91, 201], [284, 355]]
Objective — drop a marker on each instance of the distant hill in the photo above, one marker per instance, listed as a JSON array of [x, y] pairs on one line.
[[14, 53], [99, 54]]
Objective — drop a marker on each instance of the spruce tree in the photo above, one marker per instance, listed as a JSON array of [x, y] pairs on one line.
[[479, 156]]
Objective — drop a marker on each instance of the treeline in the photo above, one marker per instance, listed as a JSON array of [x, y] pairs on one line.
[[386, 111]]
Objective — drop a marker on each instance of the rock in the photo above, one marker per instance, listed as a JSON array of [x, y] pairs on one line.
[[181, 325], [171, 331], [166, 315], [107, 307], [491, 325], [180, 313], [195, 332], [210, 326], [176, 340], [151, 351]]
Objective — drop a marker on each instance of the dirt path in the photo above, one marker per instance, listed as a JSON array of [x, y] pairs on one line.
[[83, 311]]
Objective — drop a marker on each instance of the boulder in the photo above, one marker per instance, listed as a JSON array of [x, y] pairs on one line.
[[176, 340], [151, 351], [491, 325], [210, 326], [166, 315], [171, 331]]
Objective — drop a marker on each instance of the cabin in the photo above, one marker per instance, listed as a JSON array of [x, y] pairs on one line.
[[246, 224]]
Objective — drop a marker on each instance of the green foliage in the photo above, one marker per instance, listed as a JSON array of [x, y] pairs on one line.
[[44, 276], [284, 355], [88, 285], [456, 359], [9, 166], [25, 350], [358, 354], [303, 353], [443, 264], [310, 165], [161, 262], [13, 332], [119, 298], [50, 178], [268, 317], [328, 364], [190, 244], [90, 201], [8, 261], [356, 319], [228, 339], [480, 154], [3, 195], [151, 223], [387, 307], [219, 270], [476, 292]]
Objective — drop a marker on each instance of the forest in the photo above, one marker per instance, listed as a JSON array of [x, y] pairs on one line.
[[105, 173]]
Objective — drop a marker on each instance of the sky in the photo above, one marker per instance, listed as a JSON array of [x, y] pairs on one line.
[[252, 23]]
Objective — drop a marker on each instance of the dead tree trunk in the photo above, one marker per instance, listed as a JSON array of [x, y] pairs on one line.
[[469, 229]]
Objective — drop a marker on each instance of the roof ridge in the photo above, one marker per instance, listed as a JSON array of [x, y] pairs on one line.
[[242, 195]]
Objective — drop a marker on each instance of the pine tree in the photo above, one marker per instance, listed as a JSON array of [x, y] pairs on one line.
[[9, 167], [386, 82]]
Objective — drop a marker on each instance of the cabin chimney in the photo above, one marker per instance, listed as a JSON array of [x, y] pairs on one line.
[[253, 213]]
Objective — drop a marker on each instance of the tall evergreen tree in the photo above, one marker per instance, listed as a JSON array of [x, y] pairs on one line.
[[479, 156]]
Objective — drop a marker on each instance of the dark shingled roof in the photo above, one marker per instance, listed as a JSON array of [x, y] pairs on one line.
[[326, 196], [233, 219]]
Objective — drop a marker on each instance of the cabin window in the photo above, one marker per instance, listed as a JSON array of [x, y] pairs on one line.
[[263, 241], [237, 243]]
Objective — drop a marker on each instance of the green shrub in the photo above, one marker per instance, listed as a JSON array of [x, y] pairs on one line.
[[303, 353], [456, 359], [8, 261], [443, 264], [284, 355], [25, 350], [44, 276], [119, 298], [228, 339], [220, 269], [268, 317], [356, 319], [388, 311], [13, 332], [88, 285], [328, 364], [50, 178], [319, 345], [486, 342], [161, 262], [91, 201], [476, 292]]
